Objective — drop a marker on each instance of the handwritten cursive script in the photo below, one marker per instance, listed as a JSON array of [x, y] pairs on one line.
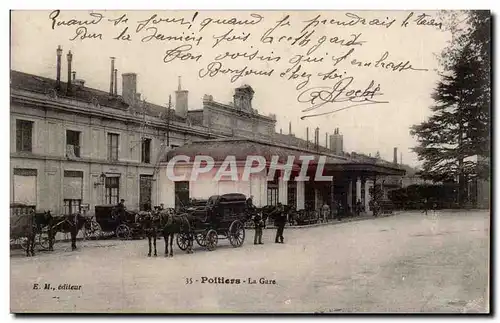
[[339, 93]]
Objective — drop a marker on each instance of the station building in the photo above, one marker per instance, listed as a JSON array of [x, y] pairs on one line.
[[74, 146]]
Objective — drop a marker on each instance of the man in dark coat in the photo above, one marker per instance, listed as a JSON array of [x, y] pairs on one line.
[[280, 222], [259, 225], [120, 210], [249, 203]]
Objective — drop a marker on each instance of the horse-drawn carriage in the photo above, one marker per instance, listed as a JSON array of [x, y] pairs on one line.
[[25, 230], [109, 220], [304, 217], [222, 216]]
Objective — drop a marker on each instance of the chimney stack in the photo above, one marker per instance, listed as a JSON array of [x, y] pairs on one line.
[[74, 76], [326, 140], [58, 67], [290, 128], [395, 159], [116, 82], [111, 87], [281, 131], [70, 59], [307, 137], [316, 138], [181, 101], [129, 88]]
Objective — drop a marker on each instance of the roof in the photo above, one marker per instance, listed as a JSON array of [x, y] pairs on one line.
[[34, 83], [241, 148], [219, 149]]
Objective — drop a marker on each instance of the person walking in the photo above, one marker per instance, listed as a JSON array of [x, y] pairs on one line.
[[280, 222], [259, 227]]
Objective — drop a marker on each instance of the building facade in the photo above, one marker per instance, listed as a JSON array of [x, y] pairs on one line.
[[74, 146]]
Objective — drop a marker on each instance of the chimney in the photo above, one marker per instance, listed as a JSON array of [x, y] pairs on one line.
[[281, 131], [290, 128], [116, 82], [74, 76], [326, 140], [58, 67], [307, 137], [395, 160], [70, 59], [316, 137], [129, 88], [181, 101], [111, 88]]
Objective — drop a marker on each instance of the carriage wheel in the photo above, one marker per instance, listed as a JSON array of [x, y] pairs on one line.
[[43, 240], [211, 240], [200, 239], [182, 241], [236, 233], [123, 232], [93, 231], [23, 242]]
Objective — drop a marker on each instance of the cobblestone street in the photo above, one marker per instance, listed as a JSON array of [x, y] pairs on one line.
[[409, 262]]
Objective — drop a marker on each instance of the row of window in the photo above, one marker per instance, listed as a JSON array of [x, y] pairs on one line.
[[25, 189], [24, 142]]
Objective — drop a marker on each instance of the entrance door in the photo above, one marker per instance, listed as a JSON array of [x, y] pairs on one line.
[[145, 190], [181, 194], [310, 196], [292, 194]]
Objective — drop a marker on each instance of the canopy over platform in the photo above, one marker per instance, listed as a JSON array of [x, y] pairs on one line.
[[241, 148]]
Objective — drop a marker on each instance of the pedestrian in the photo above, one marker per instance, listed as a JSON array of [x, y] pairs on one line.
[[249, 203], [358, 207], [259, 225], [425, 206], [280, 222], [339, 211], [120, 210], [325, 210]]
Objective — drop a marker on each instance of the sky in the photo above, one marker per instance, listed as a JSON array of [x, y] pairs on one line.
[[366, 128]]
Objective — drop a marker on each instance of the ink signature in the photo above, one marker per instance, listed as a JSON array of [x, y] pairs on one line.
[[339, 93]]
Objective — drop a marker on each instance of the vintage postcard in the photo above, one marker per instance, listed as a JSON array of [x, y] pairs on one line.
[[321, 162]]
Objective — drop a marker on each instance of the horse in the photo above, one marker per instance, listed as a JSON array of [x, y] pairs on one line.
[[67, 223], [23, 225], [268, 212], [149, 221], [171, 224]]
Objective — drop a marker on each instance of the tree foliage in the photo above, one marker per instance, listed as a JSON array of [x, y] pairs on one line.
[[458, 132]]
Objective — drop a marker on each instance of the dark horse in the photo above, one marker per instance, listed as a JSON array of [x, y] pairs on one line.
[[150, 222], [171, 224], [66, 223], [269, 212]]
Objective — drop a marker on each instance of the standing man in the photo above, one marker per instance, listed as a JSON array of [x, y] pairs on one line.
[[259, 225], [280, 222], [120, 210], [358, 207], [250, 205], [325, 210], [425, 206]]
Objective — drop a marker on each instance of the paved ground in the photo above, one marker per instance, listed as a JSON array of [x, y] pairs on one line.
[[404, 263]]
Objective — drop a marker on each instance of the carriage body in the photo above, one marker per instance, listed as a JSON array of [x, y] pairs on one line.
[[223, 216], [110, 222], [21, 216]]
